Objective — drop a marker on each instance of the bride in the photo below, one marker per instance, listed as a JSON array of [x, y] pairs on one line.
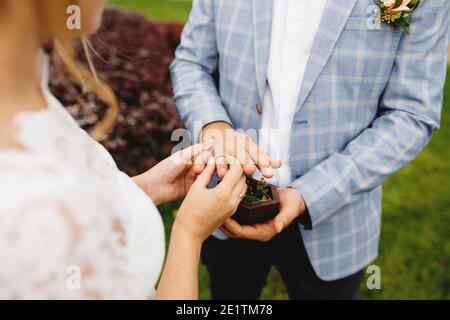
[[72, 226]]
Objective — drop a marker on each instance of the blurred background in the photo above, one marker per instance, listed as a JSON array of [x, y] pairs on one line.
[[133, 51]]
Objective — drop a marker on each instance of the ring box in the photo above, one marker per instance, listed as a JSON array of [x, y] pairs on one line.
[[260, 212]]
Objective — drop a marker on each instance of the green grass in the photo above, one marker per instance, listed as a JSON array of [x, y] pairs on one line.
[[415, 247], [161, 10]]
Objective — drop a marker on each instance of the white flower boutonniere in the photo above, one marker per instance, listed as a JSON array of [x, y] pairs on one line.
[[397, 11]]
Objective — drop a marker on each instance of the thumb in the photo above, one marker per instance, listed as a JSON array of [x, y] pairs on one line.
[[206, 176], [284, 219], [186, 156]]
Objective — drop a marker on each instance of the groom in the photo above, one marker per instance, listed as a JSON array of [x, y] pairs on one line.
[[343, 99]]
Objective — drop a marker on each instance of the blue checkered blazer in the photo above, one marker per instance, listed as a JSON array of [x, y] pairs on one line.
[[370, 101]]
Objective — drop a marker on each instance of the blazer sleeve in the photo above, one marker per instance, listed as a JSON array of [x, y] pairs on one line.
[[196, 61], [409, 113]]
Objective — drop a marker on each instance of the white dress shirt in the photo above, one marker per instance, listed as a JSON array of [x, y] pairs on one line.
[[294, 26]]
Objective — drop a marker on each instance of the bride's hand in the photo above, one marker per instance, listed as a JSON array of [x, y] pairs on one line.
[[171, 179], [204, 210]]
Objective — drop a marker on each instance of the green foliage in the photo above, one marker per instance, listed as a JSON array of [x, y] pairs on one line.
[[257, 191], [415, 248]]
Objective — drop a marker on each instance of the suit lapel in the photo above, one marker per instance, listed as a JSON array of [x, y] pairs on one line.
[[262, 26], [335, 16]]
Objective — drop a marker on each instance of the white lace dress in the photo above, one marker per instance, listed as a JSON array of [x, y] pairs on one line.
[[72, 226]]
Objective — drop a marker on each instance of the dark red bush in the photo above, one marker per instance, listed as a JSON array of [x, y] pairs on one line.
[[134, 55]]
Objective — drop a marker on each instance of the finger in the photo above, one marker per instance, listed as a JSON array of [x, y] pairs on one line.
[[204, 179], [233, 176], [284, 219], [249, 170], [276, 164], [240, 152], [220, 156], [262, 160], [246, 161], [228, 233], [289, 211], [201, 161], [186, 156], [199, 165], [233, 227], [221, 165], [240, 190], [260, 232]]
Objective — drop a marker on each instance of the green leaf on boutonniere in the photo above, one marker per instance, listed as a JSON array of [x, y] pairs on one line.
[[404, 24], [414, 4]]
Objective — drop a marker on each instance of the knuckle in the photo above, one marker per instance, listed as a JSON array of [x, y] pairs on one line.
[[221, 197], [264, 162], [249, 143], [238, 169], [243, 139], [237, 234], [230, 203], [216, 195]]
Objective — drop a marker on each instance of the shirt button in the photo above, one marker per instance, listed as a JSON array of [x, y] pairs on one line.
[[259, 108]]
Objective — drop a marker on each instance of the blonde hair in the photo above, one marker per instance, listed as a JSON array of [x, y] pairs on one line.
[[90, 82]]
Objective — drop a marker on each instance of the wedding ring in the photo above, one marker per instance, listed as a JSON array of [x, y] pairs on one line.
[[220, 156]]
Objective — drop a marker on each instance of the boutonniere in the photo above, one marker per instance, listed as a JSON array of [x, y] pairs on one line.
[[397, 11]]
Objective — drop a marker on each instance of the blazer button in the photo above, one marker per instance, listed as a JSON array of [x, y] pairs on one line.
[[259, 108]]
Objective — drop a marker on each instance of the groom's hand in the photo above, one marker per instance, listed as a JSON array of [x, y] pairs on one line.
[[240, 146], [292, 206]]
